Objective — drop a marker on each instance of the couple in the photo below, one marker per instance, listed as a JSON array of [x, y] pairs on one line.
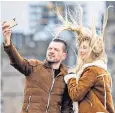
[[49, 88]]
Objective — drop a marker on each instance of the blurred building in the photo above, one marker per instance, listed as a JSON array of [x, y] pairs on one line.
[[110, 43], [43, 14]]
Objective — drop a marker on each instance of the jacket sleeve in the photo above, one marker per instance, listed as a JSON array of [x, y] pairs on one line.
[[17, 61], [66, 103], [85, 83]]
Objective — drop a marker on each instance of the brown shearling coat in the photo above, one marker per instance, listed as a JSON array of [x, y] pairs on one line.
[[90, 91]]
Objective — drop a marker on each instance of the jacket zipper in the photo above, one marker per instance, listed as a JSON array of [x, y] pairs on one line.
[[47, 107], [29, 100]]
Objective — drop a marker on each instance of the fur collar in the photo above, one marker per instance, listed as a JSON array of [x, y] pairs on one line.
[[98, 63]]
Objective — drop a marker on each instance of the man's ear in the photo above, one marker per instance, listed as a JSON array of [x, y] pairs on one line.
[[64, 56]]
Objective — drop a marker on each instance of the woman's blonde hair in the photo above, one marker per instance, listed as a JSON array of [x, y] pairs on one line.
[[73, 22]]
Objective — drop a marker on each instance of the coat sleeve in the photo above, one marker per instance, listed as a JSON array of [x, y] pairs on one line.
[[17, 61], [78, 91], [66, 106]]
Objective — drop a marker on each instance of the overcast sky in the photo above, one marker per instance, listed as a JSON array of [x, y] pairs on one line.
[[18, 10]]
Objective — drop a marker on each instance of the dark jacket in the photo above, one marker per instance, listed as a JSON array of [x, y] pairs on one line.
[[43, 92]]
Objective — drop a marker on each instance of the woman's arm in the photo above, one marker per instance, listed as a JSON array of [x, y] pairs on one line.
[[77, 91]]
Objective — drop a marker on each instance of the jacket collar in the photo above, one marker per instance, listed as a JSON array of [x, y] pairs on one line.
[[63, 69], [98, 63], [46, 64]]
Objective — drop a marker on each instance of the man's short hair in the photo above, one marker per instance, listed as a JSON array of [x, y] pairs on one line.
[[61, 41]]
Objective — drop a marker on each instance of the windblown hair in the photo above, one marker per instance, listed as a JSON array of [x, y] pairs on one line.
[[73, 22]]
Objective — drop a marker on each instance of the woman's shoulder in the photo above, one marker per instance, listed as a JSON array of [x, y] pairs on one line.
[[98, 65], [96, 70]]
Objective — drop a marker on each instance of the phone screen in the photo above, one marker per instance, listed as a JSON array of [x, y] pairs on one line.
[[12, 22]]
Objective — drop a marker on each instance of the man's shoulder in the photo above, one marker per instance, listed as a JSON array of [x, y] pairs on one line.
[[63, 69], [34, 62]]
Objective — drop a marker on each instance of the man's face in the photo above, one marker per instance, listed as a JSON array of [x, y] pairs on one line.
[[55, 52]]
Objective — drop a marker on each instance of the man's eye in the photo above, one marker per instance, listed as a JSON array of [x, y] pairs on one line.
[[49, 48], [56, 49]]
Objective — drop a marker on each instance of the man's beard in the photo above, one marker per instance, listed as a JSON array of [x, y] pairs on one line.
[[51, 62]]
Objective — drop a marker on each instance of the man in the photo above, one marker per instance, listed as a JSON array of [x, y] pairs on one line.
[[45, 90]]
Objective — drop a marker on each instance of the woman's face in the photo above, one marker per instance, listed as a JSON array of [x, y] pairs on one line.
[[84, 50]]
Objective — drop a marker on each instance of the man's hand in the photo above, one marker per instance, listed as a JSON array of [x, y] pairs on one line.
[[6, 33]]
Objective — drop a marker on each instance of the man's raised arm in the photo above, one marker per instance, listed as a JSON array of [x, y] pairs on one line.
[[16, 60]]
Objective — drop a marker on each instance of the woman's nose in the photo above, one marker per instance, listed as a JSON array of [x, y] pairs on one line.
[[82, 51]]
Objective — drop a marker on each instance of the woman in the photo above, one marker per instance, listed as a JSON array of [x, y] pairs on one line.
[[89, 87]]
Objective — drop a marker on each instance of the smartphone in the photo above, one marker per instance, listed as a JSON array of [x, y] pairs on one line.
[[12, 22]]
